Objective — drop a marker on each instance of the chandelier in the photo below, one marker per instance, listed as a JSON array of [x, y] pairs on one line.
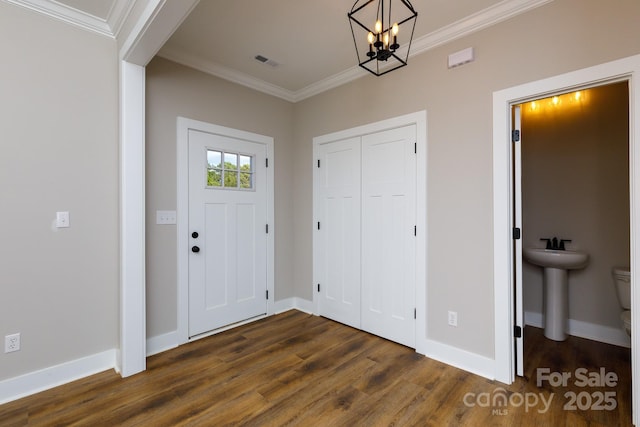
[[382, 32]]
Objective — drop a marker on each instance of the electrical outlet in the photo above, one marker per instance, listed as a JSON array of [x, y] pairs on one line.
[[62, 219], [11, 343], [453, 318]]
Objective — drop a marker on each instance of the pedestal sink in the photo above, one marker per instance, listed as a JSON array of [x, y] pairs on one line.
[[556, 264]]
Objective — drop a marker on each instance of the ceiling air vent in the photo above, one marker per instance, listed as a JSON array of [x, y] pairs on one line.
[[266, 60]]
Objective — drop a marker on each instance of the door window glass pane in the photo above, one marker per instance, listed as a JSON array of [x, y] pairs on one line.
[[214, 159], [214, 168], [231, 161], [246, 171], [246, 180], [230, 179], [245, 163], [214, 178]]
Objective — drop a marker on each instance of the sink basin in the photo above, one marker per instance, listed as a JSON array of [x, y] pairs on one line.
[[550, 258]]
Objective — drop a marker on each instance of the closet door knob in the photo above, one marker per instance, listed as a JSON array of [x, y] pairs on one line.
[[195, 249]]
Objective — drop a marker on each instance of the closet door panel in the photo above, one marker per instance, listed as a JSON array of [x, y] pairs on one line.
[[338, 215], [388, 239]]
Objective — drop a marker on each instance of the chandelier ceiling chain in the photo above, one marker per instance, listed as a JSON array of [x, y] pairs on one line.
[[382, 34]]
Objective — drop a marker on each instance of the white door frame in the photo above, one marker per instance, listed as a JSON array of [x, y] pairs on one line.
[[420, 120], [150, 29], [624, 69], [182, 213], [517, 250]]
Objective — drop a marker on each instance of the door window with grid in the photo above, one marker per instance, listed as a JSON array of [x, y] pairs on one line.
[[228, 170]]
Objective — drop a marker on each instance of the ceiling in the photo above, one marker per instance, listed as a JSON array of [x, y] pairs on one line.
[[309, 40]]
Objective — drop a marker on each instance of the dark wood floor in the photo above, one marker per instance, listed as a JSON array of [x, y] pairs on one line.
[[298, 369]]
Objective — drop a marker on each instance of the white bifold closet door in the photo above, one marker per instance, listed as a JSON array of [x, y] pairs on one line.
[[339, 231], [388, 253], [367, 219]]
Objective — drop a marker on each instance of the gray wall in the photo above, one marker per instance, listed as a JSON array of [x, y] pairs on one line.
[[576, 186], [174, 90], [59, 124], [561, 36]]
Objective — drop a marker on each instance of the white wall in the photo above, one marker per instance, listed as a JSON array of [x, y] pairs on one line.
[[174, 90], [575, 160], [59, 136]]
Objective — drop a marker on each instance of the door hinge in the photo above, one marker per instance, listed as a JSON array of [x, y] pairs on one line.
[[266, 162], [267, 293], [267, 228], [516, 233], [318, 162], [318, 225], [517, 331], [415, 314], [318, 287], [415, 230], [415, 148], [515, 135]]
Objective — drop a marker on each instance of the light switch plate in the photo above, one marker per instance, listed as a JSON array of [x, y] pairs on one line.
[[165, 217], [62, 219]]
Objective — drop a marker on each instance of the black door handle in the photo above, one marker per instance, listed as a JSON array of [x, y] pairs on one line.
[[195, 249], [194, 234]]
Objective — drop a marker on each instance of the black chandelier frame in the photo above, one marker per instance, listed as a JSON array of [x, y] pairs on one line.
[[380, 55]]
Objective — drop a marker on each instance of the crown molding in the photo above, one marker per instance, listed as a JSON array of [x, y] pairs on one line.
[[119, 11], [121, 8], [478, 21], [226, 73], [78, 18], [330, 82], [472, 23]]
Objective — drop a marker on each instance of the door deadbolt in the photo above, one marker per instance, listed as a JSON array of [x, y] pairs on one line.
[[195, 234]]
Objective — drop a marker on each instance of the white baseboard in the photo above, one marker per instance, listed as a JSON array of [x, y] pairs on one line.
[[591, 331], [34, 382], [44, 379], [444, 353], [161, 343], [293, 303], [462, 359]]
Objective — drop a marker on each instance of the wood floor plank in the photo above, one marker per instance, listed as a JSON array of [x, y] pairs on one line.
[[302, 370]]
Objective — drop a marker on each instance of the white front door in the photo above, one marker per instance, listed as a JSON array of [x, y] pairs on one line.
[[338, 257], [388, 234], [227, 231]]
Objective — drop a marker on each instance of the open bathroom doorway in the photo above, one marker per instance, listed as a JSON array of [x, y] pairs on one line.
[[626, 69], [571, 195]]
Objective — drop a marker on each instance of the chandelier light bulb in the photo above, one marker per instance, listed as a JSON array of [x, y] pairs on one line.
[[378, 27], [371, 38], [394, 31]]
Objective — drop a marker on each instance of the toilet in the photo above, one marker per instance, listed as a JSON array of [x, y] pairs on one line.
[[622, 279]]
